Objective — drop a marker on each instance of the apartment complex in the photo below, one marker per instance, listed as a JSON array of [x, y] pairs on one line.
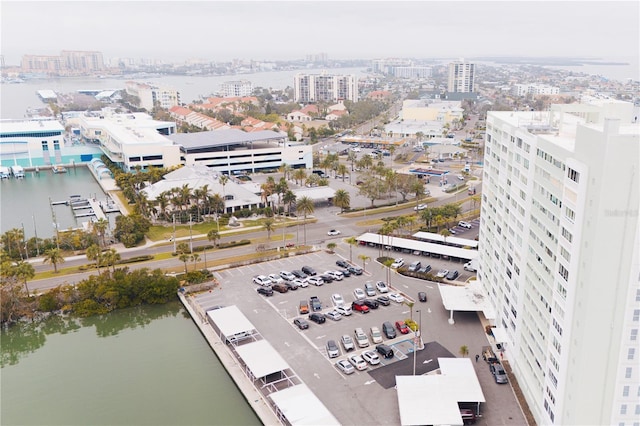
[[150, 95], [461, 77], [310, 88], [534, 89], [69, 62], [388, 65], [560, 257], [412, 72], [237, 88]]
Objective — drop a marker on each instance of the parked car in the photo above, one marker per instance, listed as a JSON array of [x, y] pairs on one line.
[[442, 273], [303, 307], [383, 300], [275, 279], [358, 293], [381, 286], [358, 362], [464, 224], [317, 318], [397, 263], [333, 315], [345, 272], [372, 304], [347, 343], [301, 323], [337, 299], [396, 297], [499, 374], [376, 335], [332, 349], [425, 269], [344, 310], [355, 270], [262, 280], [345, 366], [333, 232], [280, 288], [265, 291], [452, 275], [422, 296], [369, 289], [360, 306], [299, 274], [336, 275], [420, 207], [388, 330], [286, 275], [291, 285], [371, 357], [317, 281], [385, 351], [316, 305], [308, 270], [468, 416], [342, 263], [402, 327], [300, 283], [326, 278], [361, 338], [414, 266]]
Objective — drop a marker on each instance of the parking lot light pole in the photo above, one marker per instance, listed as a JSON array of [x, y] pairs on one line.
[[419, 311]]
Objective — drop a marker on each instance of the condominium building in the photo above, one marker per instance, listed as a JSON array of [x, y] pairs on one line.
[[237, 88], [461, 77], [534, 89], [151, 95], [559, 257], [310, 88], [70, 62], [412, 72], [388, 65]]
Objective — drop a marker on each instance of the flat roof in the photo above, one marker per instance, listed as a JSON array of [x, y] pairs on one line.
[[468, 298], [453, 240], [300, 406], [230, 321], [21, 126], [215, 138], [261, 358], [461, 253]]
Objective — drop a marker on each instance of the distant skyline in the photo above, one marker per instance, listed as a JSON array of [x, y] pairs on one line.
[[264, 30]]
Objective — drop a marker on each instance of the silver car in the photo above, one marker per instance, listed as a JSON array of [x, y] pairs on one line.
[[347, 343], [345, 366]]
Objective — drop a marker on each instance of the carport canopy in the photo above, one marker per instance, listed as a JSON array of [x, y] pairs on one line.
[[500, 335], [463, 242], [369, 237], [230, 321], [261, 358], [300, 406], [470, 298]]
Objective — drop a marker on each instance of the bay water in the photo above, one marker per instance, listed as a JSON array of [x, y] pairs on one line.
[[139, 366]]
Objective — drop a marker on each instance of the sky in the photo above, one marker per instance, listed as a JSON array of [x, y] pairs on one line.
[[287, 30]]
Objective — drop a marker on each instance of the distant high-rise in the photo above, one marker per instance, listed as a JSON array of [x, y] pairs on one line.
[[236, 89], [388, 65], [310, 88], [461, 77], [70, 62], [151, 96], [559, 257]]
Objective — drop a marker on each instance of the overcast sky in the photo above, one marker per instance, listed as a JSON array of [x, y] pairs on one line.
[[223, 30]]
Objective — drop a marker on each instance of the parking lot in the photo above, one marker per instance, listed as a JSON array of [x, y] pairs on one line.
[[351, 397]]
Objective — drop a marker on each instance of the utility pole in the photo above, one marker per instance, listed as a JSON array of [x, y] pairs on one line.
[[174, 233], [55, 224], [190, 235], [35, 230]]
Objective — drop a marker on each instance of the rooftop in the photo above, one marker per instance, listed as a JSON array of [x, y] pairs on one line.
[[224, 137]]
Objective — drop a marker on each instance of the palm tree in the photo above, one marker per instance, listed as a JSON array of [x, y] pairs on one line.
[[299, 176], [94, 253], [213, 236], [342, 199], [352, 242], [223, 179], [101, 226], [289, 198], [352, 158], [268, 226], [445, 233], [343, 170], [24, 271], [53, 256], [184, 257], [464, 350], [111, 257], [194, 258], [364, 259], [305, 206]]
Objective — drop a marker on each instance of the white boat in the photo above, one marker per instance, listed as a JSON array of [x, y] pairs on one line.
[[17, 171], [5, 173], [58, 169]]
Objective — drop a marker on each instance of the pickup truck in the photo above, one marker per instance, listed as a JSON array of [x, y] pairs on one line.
[[316, 305]]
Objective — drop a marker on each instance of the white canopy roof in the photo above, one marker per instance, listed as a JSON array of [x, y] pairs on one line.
[[470, 297], [418, 245], [433, 399], [501, 335], [230, 320], [453, 240], [261, 358], [301, 407]]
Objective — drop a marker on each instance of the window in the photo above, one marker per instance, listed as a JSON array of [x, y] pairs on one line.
[[570, 214], [627, 374], [563, 272], [45, 146], [634, 334], [623, 409], [573, 175], [567, 235], [625, 391], [636, 315], [631, 354], [638, 295]]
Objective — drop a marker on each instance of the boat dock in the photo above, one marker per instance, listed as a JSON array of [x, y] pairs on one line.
[[86, 207]]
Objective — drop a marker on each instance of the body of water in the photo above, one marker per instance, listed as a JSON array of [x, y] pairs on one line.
[[25, 202], [140, 366]]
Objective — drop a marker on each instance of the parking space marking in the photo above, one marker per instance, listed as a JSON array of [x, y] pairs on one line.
[[321, 337]]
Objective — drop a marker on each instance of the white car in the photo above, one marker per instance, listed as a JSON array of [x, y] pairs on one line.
[[276, 279], [371, 357], [382, 287], [286, 275], [442, 273], [358, 362], [464, 224], [460, 177], [358, 293], [333, 232], [262, 280], [337, 299], [420, 207], [344, 310], [376, 335], [337, 275], [397, 263], [317, 281], [333, 315], [396, 297]]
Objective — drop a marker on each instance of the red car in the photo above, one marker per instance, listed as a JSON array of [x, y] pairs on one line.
[[402, 327], [359, 305]]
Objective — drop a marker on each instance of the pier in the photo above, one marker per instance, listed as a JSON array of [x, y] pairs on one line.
[[87, 207]]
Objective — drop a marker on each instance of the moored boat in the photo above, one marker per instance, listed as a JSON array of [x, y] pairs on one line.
[[17, 171], [59, 169]]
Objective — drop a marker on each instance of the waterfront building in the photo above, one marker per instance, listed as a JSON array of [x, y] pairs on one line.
[[311, 88], [559, 257], [151, 95], [237, 88], [461, 77], [69, 62], [534, 89], [234, 151], [131, 140], [388, 65], [413, 72]]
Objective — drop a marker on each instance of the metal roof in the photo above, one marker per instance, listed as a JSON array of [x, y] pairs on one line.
[[261, 358], [453, 240], [300, 406], [468, 298], [230, 321], [461, 253], [224, 137]]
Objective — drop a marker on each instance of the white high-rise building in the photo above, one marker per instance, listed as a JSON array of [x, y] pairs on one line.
[[462, 77], [236, 89], [559, 257], [310, 88], [150, 95]]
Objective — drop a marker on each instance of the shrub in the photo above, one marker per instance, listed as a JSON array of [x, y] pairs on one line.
[[411, 324], [135, 259]]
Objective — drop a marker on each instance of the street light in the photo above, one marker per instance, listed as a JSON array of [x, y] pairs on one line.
[[417, 334]]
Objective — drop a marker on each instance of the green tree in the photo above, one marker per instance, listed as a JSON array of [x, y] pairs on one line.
[[194, 258], [111, 258], [331, 247], [364, 259], [94, 253], [464, 350], [24, 271], [100, 227], [214, 236], [305, 206], [268, 225], [53, 256], [352, 241], [342, 199]]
